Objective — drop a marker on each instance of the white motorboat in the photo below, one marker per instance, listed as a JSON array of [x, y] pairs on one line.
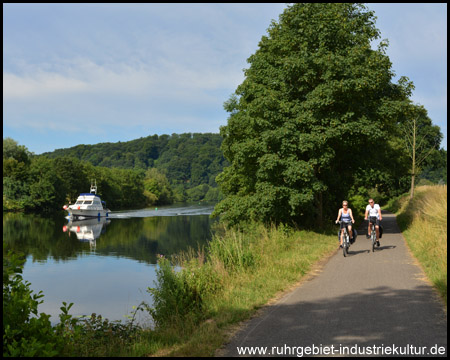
[[88, 205]]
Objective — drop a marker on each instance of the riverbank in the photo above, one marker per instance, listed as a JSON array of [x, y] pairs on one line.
[[241, 273], [195, 308]]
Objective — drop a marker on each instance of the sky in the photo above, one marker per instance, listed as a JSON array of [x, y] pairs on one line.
[[91, 73]]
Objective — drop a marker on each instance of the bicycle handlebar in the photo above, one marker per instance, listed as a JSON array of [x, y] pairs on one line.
[[340, 222]]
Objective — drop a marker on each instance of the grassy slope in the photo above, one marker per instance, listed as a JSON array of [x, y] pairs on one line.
[[423, 221]]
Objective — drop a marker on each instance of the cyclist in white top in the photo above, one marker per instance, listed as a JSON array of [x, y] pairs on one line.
[[373, 211]]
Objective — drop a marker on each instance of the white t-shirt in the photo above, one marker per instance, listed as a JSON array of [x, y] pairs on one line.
[[373, 211]]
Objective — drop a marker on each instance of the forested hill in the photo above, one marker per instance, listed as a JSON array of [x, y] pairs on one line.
[[191, 159]]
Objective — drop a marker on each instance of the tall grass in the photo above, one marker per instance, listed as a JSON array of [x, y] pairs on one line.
[[239, 272], [423, 221]]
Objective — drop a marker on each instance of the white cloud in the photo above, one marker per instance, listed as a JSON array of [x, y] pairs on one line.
[[82, 76], [91, 98], [176, 81], [41, 84]]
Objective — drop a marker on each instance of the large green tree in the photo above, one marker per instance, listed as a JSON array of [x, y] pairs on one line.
[[317, 107]]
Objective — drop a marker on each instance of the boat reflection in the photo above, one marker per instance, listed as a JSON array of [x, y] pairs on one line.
[[87, 230]]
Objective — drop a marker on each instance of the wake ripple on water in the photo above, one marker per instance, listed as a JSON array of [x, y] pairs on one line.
[[165, 211]]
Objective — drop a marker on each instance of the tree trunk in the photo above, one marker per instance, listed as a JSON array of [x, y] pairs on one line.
[[412, 186], [413, 172]]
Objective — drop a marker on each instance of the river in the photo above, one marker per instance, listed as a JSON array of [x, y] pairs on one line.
[[106, 266]]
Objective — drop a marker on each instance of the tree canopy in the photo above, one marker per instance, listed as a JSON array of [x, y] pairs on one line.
[[189, 159], [315, 120]]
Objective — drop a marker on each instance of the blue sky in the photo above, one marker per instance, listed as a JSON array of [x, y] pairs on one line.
[[90, 73]]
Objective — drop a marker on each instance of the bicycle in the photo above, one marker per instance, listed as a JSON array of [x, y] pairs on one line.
[[345, 240], [373, 233]]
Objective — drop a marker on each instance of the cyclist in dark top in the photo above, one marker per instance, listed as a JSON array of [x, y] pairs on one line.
[[346, 216]]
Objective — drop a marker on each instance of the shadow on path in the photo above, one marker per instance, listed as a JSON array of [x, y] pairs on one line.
[[368, 299], [376, 317]]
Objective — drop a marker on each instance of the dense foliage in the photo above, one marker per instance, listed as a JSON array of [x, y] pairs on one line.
[[25, 331], [40, 184], [317, 119], [434, 170], [187, 159]]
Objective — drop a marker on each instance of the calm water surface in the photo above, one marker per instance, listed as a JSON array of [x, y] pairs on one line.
[[106, 266]]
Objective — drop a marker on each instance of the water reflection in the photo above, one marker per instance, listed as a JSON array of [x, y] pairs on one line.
[[139, 238], [88, 230], [101, 266]]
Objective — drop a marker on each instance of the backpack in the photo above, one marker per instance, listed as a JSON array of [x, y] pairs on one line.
[[355, 235]]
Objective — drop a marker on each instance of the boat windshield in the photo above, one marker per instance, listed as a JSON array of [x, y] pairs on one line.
[[88, 202], [79, 202]]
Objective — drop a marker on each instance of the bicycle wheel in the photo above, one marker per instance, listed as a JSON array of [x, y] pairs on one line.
[[374, 240], [347, 243], [344, 248]]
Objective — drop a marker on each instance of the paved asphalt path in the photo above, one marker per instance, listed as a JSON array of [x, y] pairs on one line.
[[374, 300]]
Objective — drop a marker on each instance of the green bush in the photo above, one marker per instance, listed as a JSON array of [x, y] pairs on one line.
[[175, 296], [25, 331], [94, 335]]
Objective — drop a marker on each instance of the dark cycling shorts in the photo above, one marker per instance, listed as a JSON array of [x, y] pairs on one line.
[[374, 219], [345, 224]]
